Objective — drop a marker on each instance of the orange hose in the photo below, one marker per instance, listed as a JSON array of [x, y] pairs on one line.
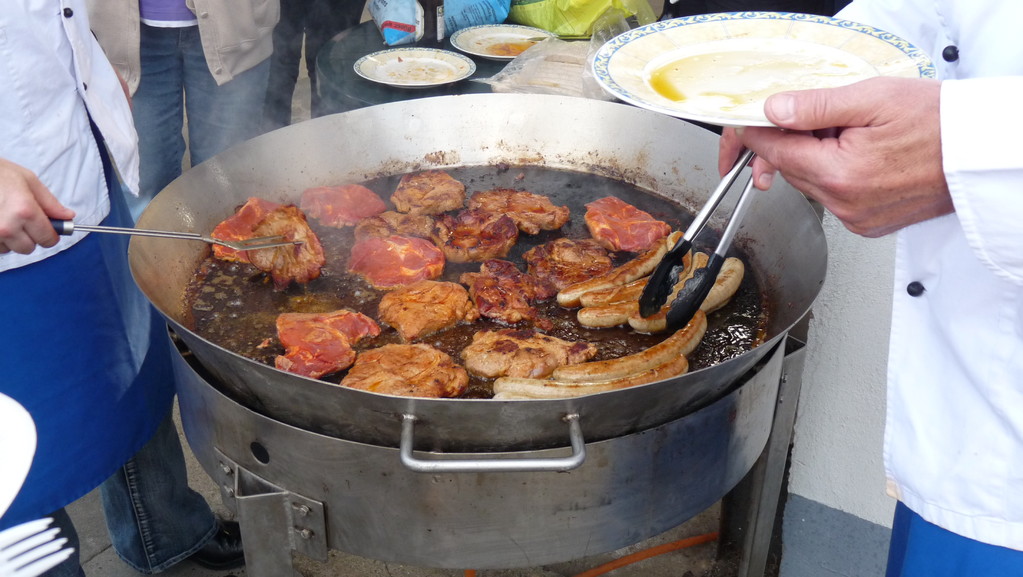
[[648, 553], [638, 556]]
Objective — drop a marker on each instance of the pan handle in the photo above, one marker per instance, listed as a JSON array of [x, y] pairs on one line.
[[496, 465]]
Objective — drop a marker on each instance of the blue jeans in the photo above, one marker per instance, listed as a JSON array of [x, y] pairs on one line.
[[154, 519], [176, 82]]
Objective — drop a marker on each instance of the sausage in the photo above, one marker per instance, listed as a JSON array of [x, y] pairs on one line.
[[616, 294], [681, 343], [657, 322], [636, 268], [725, 285], [604, 316], [518, 388]]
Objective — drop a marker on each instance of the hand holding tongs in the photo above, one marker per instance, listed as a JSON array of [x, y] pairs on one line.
[[67, 227], [692, 294]]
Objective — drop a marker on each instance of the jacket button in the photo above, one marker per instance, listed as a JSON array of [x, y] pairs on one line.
[[68, 13], [950, 53], [915, 289]]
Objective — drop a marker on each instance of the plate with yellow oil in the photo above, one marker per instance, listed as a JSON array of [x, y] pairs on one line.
[[720, 68]]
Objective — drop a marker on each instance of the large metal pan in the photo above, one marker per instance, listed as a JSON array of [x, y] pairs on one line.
[[781, 235]]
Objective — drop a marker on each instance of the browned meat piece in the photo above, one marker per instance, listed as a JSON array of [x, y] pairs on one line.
[[317, 344], [428, 192], [521, 353], [474, 235], [299, 263], [563, 262], [503, 293], [617, 225], [426, 307], [394, 261], [408, 371], [531, 212], [343, 205], [239, 226], [395, 223]]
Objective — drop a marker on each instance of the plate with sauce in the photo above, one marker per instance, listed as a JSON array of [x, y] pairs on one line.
[[498, 41], [720, 68], [414, 67]]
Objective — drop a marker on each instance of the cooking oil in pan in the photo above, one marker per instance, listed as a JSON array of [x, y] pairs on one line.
[[235, 306]]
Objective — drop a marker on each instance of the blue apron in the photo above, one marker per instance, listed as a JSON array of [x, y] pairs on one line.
[[85, 353], [921, 549]]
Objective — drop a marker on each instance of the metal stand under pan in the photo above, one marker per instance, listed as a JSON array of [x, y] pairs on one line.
[[297, 491]]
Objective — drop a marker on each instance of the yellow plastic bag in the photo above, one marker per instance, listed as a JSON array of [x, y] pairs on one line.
[[575, 18]]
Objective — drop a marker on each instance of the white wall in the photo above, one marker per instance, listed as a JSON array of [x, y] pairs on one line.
[[839, 429]]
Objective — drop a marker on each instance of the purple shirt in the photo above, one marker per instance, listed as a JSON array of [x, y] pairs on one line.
[[165, 10]]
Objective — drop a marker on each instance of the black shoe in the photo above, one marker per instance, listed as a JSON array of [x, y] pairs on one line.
[[224, 550]]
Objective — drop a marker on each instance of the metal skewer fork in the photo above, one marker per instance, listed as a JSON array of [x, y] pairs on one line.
[[66, 227], [30, 549], [657, 289]]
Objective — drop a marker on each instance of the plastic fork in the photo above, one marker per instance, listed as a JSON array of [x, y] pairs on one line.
[[66, 227], [31, 549]]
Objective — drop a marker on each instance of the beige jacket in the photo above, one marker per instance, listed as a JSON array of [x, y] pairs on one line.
[[236, 34]]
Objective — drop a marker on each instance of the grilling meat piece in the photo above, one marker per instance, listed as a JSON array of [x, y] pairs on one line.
[[475, 235], [299, 263], [617, 225], [317, 344], [521, 353], [426, 307], [564, 261], [393, 261], [503, 293], [239, 227], [409, 371], [397, 223], [428, 192], [341, 206], [531, 212]]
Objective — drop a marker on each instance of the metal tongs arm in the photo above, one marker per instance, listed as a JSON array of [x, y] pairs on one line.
[[657, 289], [67, 227]]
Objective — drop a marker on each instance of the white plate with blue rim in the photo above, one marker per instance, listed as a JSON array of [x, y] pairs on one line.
[[415, 67], [498, 41], [720, 68]]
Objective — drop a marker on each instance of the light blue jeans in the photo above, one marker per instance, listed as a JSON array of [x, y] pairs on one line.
[[153, 518], [176, 83]]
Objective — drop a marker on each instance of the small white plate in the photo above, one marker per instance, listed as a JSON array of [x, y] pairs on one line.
[[498, 41], [720, 68], [414, 67], [17, 449]]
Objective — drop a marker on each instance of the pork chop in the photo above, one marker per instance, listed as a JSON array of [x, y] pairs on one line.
[[564, 261], [531, 212], [407, 370], [428, 192], [521, 353], [425, 307]]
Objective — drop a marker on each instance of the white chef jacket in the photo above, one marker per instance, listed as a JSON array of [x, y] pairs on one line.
[[954, 430], [45, 130]]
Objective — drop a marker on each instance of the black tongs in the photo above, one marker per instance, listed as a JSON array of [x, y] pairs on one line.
[[664, 277]]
